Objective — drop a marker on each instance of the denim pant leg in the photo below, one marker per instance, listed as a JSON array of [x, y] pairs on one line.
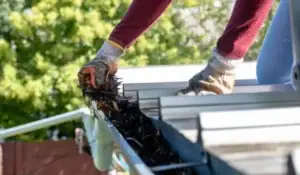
[[275, 60]]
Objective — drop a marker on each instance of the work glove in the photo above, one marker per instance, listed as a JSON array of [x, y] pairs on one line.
[[96, 72], [218, 77]]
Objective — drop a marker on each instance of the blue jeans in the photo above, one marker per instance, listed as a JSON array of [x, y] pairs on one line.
[[275, 60]]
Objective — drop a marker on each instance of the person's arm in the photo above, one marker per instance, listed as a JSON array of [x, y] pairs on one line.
[[218, 77], [243, 27], [139, 17]]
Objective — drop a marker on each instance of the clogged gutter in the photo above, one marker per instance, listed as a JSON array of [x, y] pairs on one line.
[[136, 128]]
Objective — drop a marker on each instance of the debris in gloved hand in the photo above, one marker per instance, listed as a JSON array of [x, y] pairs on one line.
[[137, 129]]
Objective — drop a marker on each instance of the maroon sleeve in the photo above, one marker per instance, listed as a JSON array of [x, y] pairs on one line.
[[244, 24], [139, 17]]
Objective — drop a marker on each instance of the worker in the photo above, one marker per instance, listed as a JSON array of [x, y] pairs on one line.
[[218, 76]]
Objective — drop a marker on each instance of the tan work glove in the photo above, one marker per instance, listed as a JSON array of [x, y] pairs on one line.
[[216, 78], [95, 73]]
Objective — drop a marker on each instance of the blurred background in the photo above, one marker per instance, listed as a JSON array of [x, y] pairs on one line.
[[43, 43]]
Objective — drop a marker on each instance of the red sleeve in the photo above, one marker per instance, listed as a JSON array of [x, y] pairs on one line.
[[139, 17], [244, 24]]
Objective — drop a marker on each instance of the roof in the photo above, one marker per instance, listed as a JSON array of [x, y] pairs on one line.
[[176, 73]]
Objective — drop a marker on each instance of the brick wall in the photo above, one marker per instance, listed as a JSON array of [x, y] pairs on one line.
[[44, 158]]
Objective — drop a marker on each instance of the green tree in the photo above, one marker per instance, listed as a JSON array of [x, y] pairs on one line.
[[6, 7]]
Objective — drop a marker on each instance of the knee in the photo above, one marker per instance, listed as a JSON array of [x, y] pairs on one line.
[[272, 74]]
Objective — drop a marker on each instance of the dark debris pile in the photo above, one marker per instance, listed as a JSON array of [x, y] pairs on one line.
[[137, 129]]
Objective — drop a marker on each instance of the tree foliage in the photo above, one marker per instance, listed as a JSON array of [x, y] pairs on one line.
[[44, 43]]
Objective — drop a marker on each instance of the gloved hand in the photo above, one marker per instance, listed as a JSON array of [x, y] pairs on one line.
[[218, 77], [95, 73]]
